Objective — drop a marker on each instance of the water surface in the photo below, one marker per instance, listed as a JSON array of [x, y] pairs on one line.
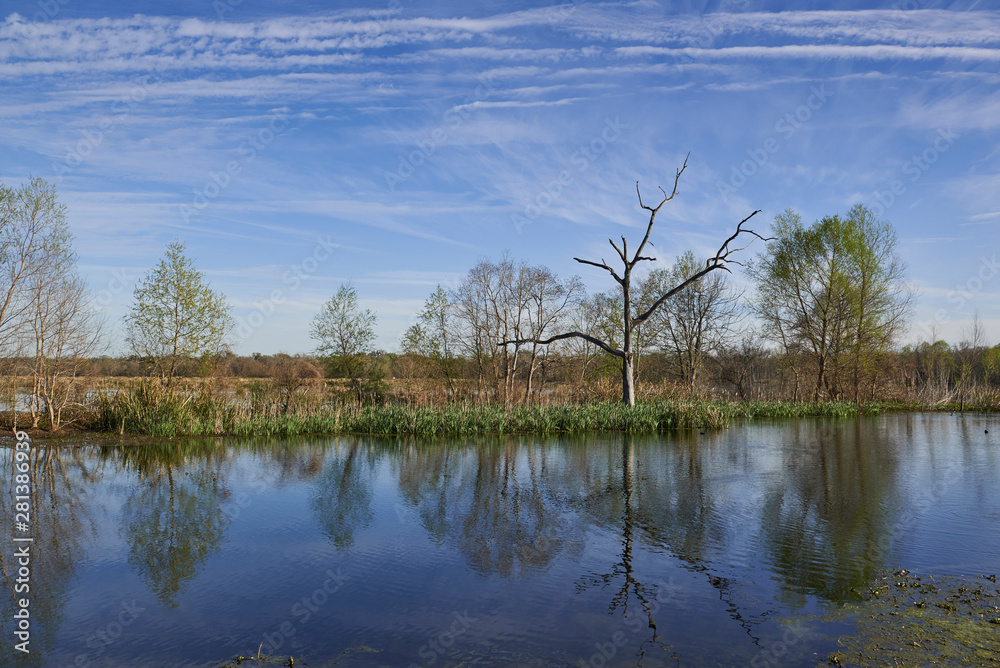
[[688, 549]]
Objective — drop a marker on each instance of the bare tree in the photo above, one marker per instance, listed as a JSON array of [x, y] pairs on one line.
[[629, 321], [968, 357], [66, 332], [508, 301], [549, 301], [742, 365], [486, 311], [588, 315], [692, 324]]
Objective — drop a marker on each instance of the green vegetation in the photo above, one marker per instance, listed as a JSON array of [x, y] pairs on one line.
[[904, 620], [152, 410], [176, 315]]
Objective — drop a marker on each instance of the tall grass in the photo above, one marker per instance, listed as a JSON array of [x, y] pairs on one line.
[[149, 409]]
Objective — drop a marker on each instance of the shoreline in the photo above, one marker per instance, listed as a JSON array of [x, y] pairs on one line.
[[171, 415]]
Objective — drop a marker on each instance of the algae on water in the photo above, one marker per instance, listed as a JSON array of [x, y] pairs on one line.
[[905, 620]]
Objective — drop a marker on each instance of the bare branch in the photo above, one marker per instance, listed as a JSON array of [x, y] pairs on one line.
[[719, 261], [724, 249], [620, 252], [666, 198], [601, 265], [568, 335], [653, 211]]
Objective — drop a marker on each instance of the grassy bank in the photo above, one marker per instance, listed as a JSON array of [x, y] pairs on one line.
[[150, 410]]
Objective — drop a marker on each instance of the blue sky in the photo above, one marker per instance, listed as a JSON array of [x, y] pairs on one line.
[[294, 146]]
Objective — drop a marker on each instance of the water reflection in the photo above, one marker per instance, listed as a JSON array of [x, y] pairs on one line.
[[750, 524], [827, 519], [343, 495], [172, 524], [62, 520]]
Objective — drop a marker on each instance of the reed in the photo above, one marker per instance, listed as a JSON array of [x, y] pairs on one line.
[[149, 409]]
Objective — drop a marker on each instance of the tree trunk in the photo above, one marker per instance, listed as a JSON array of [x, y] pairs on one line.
[[628, 385]]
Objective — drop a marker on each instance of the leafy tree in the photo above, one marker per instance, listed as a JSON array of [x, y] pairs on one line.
[[172, 525], [176, 315], [45, 317], [35, 242], [433, 337], [991, 363], [345, 334], [836, 291]]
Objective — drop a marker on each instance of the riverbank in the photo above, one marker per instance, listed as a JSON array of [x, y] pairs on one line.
[[154, 412], [145, 408]]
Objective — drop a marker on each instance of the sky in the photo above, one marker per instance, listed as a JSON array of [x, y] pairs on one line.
[[295, 146]]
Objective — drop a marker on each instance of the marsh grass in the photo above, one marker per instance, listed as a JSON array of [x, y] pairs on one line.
[[149, 409]]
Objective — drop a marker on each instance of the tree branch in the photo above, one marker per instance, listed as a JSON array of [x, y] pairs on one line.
[[620, 252], [653, 211], [568, 335], [719, 261], [601, 265]]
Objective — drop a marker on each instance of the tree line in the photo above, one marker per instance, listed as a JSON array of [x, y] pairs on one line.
[[821, 318]]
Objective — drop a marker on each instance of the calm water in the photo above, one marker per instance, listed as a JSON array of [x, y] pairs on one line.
[[686, 549]]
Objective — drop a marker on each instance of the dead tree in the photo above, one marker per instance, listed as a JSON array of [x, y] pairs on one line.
[[626, 353]]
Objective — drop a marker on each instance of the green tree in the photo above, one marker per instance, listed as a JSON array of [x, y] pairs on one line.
[[46, 322], [345, 333], [35, 245], [433, 337], [176, 315], [991, 363], [834, 290]]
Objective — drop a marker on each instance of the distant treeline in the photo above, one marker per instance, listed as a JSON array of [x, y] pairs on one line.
[[821, 322]]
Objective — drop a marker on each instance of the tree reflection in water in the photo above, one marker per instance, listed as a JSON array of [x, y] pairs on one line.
[[173, 521], [61, 524], [343, 494]]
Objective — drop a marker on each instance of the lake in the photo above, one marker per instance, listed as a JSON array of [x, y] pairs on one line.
[[693, 549]]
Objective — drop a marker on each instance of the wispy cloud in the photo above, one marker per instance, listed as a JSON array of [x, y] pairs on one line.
[[479, 117]]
